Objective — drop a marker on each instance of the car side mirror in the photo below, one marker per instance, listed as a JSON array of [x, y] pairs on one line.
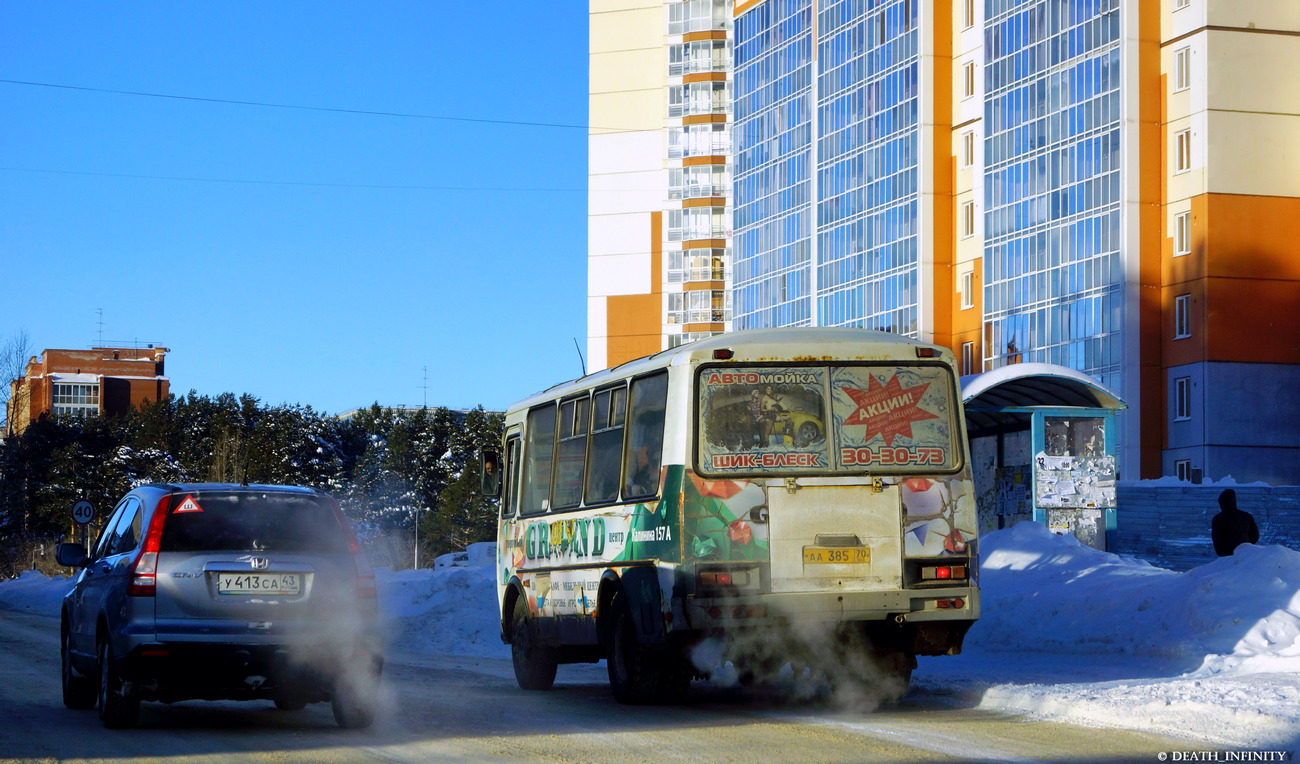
[[71, 555], [489, 473]]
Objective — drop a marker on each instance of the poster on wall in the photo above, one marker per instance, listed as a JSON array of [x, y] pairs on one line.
[[1078, 482]]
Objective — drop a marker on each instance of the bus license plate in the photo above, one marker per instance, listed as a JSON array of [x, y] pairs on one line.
[[854, 555], [257, 583]]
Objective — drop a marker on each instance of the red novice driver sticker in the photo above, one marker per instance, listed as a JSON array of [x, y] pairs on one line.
[[189, 505]]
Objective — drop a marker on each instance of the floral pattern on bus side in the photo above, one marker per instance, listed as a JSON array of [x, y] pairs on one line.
[[724, 520], [939, 517], [621, 533]]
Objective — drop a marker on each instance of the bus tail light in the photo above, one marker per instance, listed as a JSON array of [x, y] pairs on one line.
[[956, 603], [943, 572], [715, 580]]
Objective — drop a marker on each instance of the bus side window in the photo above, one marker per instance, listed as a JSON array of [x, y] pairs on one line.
[[646, 439], [539, 456], [510, 493], [606, 459], [571, 455]]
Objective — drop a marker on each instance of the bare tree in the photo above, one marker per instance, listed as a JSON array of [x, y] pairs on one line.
[[14, 354]]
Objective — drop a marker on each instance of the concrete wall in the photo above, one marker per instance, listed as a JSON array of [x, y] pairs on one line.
[[1169, 525]]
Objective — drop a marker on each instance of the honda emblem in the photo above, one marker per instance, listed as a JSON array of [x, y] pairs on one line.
[[259, 563]]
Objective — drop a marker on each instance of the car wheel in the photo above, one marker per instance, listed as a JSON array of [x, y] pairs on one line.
[[534, 663], [807, 433], [119, 706], [79, 691], [638, 675], [354, 697], [289, 699]]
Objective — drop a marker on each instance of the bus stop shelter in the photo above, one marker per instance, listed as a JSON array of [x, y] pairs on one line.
[[1043, 448]]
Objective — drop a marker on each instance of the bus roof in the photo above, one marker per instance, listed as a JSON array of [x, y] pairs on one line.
[[801, 343]]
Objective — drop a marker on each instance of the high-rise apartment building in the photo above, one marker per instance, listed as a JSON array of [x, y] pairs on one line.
[[659, 175], [1099, 184]]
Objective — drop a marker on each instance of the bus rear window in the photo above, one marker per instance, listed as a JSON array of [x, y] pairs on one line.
[[820, 420]]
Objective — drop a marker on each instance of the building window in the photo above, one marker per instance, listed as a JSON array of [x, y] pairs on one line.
[[1183, 469], [1182, 234], [1181, 4], [967, 358], [79, 400], [967, 14], [968, 79], [1182, 399], [1182, 69], [968, 148], [967, 290], [967, 219], [697, 307], [1183, 151], [1183, 317]]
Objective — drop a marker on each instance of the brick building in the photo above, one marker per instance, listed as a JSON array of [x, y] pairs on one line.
[[86, 383]]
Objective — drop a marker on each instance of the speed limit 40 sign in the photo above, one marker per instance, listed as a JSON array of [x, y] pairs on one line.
[[83, 512]]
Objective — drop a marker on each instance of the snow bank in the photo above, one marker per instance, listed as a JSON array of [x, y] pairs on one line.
[[1071, 633], [450, 610], [34, 592], [1049, 593]]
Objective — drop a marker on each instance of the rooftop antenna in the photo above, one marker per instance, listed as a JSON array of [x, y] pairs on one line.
[[426, 386], [100, 311], [581, 360]]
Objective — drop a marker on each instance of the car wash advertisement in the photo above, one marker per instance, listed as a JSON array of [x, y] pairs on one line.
[[756, 420], [773, 420]]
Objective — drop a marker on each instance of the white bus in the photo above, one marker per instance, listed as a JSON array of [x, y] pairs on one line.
[[750, 488]]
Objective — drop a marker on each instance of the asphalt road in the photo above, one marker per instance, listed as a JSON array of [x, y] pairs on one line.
[[438, 708]]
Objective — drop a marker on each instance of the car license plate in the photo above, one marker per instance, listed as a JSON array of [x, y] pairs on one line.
[[257, 583], [820, 555]]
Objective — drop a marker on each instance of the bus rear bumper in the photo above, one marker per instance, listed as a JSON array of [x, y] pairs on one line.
[[918, 622], [900, 606]]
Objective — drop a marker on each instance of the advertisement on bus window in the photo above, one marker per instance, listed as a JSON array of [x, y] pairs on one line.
[[880, 419], [896, 418], [763, 419]]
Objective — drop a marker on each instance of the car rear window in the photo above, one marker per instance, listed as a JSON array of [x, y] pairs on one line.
[[249, 521]]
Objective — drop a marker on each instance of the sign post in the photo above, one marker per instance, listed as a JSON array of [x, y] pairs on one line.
[[82, 513]]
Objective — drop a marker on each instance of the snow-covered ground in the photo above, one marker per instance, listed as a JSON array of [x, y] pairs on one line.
[[1067, 633]]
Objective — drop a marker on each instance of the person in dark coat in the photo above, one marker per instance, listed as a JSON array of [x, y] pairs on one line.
[[1232, 527]]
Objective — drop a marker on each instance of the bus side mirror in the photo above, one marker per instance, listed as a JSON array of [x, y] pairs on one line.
[[489, 473]]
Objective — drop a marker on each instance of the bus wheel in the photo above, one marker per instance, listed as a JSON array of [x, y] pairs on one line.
[[639, 675], [896, 665], [534, 663]]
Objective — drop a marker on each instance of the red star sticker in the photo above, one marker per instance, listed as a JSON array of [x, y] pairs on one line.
[[888, 410]]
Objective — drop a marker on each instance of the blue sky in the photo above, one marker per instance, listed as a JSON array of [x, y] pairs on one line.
[[305, 283]]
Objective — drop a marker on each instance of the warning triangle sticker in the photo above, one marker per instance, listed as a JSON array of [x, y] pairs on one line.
[[189, 505]]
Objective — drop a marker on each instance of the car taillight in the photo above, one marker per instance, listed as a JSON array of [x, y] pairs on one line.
[[144, 570], [365, 573]]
